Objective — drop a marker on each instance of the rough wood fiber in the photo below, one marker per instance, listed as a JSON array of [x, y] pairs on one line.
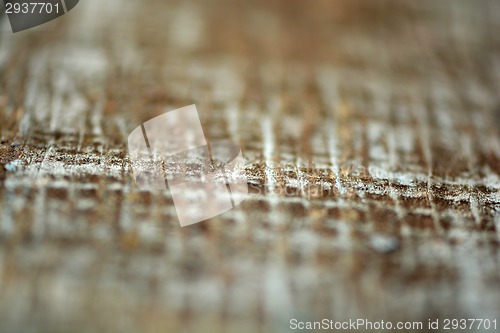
[[371, 135]]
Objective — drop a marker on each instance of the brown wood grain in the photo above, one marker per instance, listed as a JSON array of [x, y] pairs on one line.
[[370, 131]]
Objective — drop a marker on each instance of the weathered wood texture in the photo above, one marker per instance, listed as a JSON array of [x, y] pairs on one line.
[[371, 135]]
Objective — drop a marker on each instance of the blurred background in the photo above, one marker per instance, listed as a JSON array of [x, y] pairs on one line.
[[370, 131]]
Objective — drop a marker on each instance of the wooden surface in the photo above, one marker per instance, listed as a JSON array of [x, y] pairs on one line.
[[370, 131]]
